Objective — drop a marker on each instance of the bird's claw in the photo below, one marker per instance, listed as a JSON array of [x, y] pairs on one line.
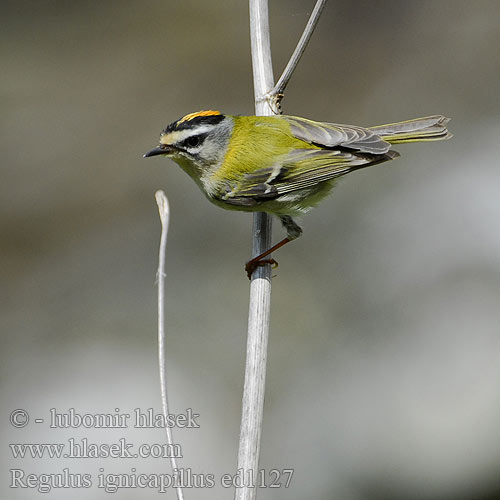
[[251, 265]]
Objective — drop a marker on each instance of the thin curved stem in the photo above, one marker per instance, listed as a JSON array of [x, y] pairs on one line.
[[163, 208], [279, 88]]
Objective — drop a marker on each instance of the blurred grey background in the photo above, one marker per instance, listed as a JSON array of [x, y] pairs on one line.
[[384, 363]]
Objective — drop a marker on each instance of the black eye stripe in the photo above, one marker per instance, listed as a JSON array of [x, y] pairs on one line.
[[192, 141]]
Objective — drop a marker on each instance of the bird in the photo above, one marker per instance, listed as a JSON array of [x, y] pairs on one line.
[[282, 165]]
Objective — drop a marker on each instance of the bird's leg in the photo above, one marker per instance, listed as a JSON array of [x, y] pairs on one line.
[[293, 232]]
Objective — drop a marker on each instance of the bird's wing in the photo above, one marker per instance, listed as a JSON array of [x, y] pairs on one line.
[[331, 135], [300, 169]]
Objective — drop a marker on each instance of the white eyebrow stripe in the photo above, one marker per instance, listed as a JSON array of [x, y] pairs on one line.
[[178, 136]]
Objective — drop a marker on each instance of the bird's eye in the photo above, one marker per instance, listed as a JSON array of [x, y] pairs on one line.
[[193, 141]]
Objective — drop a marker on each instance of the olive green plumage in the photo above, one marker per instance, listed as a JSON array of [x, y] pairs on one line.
[[282, 165]]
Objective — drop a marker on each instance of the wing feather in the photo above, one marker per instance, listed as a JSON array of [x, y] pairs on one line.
[[301, 169], [331, 135]]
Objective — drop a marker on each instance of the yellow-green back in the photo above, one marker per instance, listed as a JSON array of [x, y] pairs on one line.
[[257, 142]]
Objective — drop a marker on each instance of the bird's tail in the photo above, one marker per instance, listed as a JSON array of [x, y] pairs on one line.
[[430, 128]]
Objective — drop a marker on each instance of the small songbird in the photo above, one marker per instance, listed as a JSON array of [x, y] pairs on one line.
[[282, 165]]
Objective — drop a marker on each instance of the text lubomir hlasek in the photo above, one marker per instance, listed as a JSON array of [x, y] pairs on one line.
[[139, 419]]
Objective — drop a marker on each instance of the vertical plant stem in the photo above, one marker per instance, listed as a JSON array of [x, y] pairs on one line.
[[260, 286]]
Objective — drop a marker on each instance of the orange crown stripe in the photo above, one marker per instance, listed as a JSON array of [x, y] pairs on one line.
[[199, 113]]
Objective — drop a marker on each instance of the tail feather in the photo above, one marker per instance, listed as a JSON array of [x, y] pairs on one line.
[[430, 128]]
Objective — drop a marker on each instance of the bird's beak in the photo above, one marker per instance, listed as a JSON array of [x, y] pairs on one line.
[[159, 150]]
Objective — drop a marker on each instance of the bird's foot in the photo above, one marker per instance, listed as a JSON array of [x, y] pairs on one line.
[[252, 265]]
